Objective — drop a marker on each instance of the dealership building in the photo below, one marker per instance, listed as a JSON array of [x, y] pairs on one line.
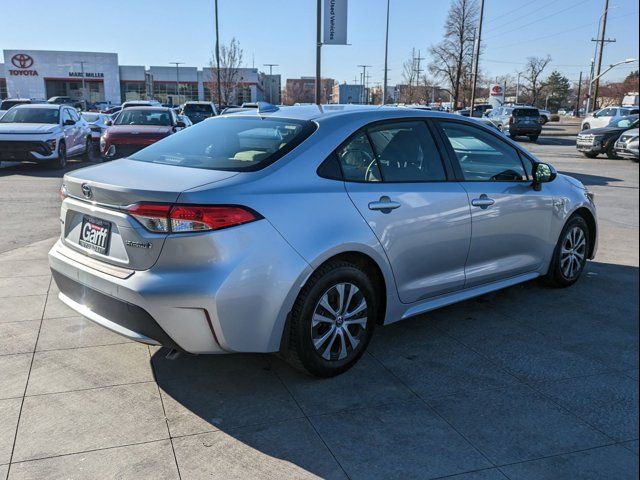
[[42, 74]]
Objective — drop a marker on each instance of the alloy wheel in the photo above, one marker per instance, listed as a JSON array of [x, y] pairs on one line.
[[339, 321], [573, 252]]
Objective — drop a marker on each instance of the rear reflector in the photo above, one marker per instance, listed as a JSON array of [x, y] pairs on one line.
[[190, 218]]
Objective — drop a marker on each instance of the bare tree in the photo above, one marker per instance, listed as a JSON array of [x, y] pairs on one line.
[[533, 76], [452, 57], [230, 63], [409, 76]]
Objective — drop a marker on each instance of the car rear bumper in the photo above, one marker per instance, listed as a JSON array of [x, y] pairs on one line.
[[525, 130], [224, 295]]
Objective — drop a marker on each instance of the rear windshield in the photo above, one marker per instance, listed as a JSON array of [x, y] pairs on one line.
[[526, 112], [7, 104], [195, 108], [90, 117], [31, 115], [132, 116], [229, 143]]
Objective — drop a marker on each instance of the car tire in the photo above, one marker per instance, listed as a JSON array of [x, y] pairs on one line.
[[590, 154], [89, 150], [611, 153], [61, 161], [512, 136], [570, 255], [586, 126], [332, 320], [533, 138]]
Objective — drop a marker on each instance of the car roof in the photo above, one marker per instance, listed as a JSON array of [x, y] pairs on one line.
[[51, 106], [334, 111], [148, 107]]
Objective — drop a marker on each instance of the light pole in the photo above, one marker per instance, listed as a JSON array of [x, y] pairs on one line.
[[476, 57], [386, 52], [84, 92], [596, 78], [518, 87], [271, 65], [363, 79], [177, 79]]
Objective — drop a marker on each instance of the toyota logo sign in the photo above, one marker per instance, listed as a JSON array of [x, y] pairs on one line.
[[86, 190], [496, 90], [22, 60]]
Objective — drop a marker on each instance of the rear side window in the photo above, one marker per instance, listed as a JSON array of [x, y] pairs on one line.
[[392, 152], [198, 108], [229, 143], [483, 157]]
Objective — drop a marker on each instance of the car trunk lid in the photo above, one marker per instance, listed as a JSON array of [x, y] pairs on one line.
[[94, 216]]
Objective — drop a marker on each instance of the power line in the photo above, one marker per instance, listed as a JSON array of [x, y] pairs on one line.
[[539, 19], [518, 11]]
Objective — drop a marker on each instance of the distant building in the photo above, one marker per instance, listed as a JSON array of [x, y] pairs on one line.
[[344, 93], [272, 87], [303, 90]]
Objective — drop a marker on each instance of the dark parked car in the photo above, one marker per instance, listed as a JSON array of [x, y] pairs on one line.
[[137, 127], [517, 121], [595, 141], [478, 110], [198, 111]]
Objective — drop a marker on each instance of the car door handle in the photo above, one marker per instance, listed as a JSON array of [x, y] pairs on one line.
[[385, 204], [483, 202]]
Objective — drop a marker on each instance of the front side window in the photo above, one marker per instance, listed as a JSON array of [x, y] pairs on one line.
[[483, 157], [228, 143], [31, 115]]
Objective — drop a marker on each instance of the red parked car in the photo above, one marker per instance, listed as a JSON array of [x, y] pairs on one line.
[[137, 127]]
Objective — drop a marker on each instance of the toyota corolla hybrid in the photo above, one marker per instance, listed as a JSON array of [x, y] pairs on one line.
[[300, 229]]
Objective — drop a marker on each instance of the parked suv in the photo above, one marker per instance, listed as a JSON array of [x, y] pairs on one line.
[[298, 229], [604, 116], [517, 121], [43, 133], [596, 141], [199, 111]]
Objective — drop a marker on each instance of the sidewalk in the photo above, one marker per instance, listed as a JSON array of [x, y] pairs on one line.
[[523, 383]]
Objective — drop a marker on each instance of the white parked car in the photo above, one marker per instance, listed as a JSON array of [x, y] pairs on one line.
[[43, 133], [603, 117], [545, 116], [627, 145]]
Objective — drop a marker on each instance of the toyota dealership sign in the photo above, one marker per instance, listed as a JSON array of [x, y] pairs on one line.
[[496, 95], [23, 64]]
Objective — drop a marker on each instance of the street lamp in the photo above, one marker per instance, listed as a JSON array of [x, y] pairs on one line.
[[271, 65], [177, 79], [593, 80]]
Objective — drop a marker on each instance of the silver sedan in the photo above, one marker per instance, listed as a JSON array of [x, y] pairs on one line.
[[299, 229]]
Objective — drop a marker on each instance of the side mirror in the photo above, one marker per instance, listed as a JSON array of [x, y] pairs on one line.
[[543, 173], [69, 122], [181, 124], [108, 123]]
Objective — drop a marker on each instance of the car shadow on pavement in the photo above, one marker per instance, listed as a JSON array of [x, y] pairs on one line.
[[43, 171], [588, 180], [417, 380], [555, 141]]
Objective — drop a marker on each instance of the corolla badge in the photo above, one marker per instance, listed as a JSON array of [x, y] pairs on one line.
[[86, 190]]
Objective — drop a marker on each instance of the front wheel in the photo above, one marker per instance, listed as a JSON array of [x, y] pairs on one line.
[[586, 126], [61, 162], [590, 154], [332, 320], [611, 153], [89, 150], [570, 254], [533, 138]]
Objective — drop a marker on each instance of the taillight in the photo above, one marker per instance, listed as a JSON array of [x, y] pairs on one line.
[[510, 120], [190, 218], [63, 191]]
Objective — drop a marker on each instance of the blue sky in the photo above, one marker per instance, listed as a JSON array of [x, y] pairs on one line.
[[156, 32]]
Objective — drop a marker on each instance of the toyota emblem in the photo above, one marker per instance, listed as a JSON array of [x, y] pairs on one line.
[[86, 190], [22, 60]]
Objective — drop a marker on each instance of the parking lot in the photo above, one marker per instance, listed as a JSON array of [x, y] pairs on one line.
[[524, 383]]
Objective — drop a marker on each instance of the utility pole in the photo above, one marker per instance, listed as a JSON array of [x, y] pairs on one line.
[[476, 57], [577, 112], [386, 52], [177, 79], [591, 75], [601, 41], [271, 65], [318, 47], [363, 78], [418, 70], [219, 87], [518, 86]]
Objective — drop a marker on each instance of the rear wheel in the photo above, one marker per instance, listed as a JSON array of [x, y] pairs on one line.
[[88, 150], [611, 153], [332, 320], [570, 254], [590, 154]]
